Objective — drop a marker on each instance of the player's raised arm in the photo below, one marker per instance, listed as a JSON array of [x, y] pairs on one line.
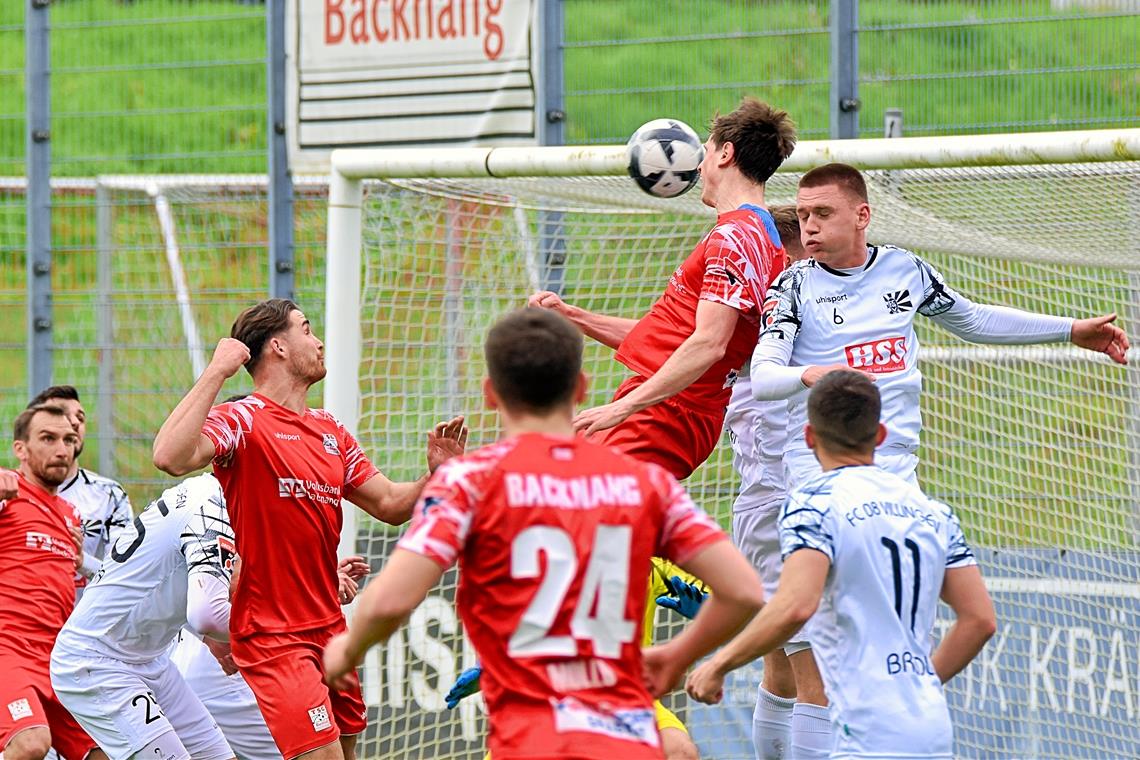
[[181, 446], [607, 330], [392, 502], [715, 323]]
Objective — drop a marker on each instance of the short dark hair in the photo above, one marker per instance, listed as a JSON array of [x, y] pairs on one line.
[[259, 323], [847, 177], [67, 392], [534, 357], [787, 223], [761, 136], [23, 425], [843, 409]]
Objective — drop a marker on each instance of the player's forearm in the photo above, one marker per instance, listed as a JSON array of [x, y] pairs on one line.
[[776, 623], [771, 377], [90, 565], [717, 620], [395, 504], [607, 330], [175, 448], [691, 360], [960, 646]]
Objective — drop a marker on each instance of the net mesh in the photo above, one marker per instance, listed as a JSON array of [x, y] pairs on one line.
[[1036, 447]]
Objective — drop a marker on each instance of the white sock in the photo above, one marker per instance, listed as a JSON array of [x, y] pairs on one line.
[[812, 735], [771, 725]]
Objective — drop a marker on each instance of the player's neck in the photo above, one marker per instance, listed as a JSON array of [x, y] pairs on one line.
[[30, 476], [736, 191], [283, 390], [520, 423], [833, 461], [71, 473], [853, 257]]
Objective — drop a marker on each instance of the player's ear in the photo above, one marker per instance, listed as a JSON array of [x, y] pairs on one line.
[[809, 436], [727, 154], [580, 389], [19, 449], [881, 435], [863, 216], [490, 400]]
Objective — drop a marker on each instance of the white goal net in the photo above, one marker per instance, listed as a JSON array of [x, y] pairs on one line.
[[1038, 448]]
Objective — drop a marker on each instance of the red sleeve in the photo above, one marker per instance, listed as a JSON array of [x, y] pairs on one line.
[[226, 427], [687, 529], [442, 516], [737, 268], [358, 468]]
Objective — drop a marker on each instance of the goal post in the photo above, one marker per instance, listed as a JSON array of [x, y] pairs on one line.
[[1037, 447]]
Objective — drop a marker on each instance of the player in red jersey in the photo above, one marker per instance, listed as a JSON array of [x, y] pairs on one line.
[[38, 559], [284, 469], [554, 536], [686, 352]]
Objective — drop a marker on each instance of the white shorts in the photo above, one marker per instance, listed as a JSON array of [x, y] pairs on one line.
[[754, 531], [228, 698], [803, 465], [126, 706]]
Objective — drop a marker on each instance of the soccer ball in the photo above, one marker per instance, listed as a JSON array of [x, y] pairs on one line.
[[664, 157]]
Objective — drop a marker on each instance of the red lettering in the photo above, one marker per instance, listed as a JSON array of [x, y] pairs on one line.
[[447, 21], [399, 20], [493, 41], [430, 19], [359, 22], [379, 32], [334, 16], [878, 356]]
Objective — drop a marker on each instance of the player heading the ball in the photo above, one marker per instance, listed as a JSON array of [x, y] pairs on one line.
[[688, 350], [554, 535], [874, 554]]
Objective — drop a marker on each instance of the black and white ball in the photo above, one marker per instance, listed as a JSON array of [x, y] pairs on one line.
[[664, 157]]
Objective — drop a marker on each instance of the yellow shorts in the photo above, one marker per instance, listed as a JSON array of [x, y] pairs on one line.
[[666, 718]]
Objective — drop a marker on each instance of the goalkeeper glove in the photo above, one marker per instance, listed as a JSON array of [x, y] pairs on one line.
[[683, 598], [464, 686]]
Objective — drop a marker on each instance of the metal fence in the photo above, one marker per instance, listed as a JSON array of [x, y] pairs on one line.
[[179, 86]]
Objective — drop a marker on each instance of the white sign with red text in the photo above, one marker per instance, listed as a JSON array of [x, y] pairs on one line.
[[399, 73]]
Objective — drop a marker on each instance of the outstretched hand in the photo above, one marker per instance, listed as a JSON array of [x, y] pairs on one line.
[[465, 685], [348, 572], [684, 598], [1100, 335], [447, 440]]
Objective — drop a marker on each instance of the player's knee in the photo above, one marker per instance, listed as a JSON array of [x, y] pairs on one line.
[[29, 744], [677, 745]]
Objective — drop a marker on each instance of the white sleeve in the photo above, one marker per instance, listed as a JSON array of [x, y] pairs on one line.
[[208, 605], [91, 564], [772, 378], [982, 323]]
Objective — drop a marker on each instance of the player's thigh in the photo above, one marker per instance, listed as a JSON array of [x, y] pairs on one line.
[[22, 715], [756, 533], [235, 709], [196, 728], [68, 737], [778, 678], [809, 683], [113, 701], [286, 676], [165, 746]]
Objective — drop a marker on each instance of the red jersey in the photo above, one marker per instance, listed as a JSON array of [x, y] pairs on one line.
[[554, 538], [734, 265], [283, 475], [37, 571]]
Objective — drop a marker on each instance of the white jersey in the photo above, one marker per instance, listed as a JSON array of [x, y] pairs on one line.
[[890, 546], [105, 510], [864, 318], [137, 602], [758, 432]]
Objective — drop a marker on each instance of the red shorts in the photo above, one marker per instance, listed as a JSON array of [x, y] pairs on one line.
[[28, 701], [286, 674], [668, 433]]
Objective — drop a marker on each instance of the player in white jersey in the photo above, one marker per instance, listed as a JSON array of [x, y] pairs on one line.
[[110, 666], [758, 432], [853, 305], [874, 554], [102, 503]]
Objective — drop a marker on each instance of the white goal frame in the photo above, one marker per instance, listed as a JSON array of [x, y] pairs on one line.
[[350, 167]]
